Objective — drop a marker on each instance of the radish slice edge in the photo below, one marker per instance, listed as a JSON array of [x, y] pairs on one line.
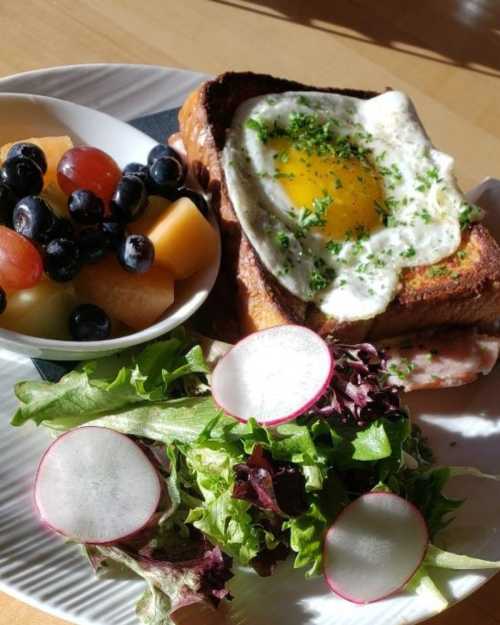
[[97, 486], [374, 547], [273, 375]]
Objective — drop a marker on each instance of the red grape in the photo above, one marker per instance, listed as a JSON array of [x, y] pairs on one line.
[[21, 265], [88, 168]]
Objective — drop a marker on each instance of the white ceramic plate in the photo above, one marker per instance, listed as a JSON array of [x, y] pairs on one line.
[[463, 425]]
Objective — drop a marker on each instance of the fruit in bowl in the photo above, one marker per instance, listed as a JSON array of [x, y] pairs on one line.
[[89, 251]]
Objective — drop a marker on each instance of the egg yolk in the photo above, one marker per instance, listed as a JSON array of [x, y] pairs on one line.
[[346, 190]]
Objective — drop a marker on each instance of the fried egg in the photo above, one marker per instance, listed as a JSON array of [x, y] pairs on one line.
[[337, 195]]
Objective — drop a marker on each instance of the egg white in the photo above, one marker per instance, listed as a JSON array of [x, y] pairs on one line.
[[367, 273]]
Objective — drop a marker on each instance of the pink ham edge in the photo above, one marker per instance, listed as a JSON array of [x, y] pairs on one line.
[[440, 359]]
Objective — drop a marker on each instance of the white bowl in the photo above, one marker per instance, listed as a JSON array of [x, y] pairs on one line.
[[23, 116]]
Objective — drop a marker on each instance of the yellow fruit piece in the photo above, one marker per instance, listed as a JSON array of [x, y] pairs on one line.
[[136, 299], [42, 311], [56, 199], [156, 207], [183, 239], [53, 148]]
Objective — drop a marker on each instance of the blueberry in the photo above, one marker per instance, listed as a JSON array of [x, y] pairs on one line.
[[115, 233], [62, 260], [7, 202], [197, 198], [136, 253], [63, 229], [3, 300], [22, 175], [169, 193], [89, 323], [141, 171], [33, 219], [167, 172], [29, 150], [129, 199], [85, 207], [160, 151], [93, 244]]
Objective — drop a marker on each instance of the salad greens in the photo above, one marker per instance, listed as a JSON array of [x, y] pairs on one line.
[[113, 383], [244, 492]]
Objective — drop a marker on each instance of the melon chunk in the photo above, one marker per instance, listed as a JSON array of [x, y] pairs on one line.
[[156, 208], [56, 199], [42, 311], [136, 299], [183, 239], [53, 147]]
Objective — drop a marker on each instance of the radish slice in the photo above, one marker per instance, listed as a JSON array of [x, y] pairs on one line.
[[374, 547], [95, 485], [273, 375]]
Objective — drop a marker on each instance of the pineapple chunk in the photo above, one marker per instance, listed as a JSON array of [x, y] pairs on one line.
[[183, 239], [42, 311]]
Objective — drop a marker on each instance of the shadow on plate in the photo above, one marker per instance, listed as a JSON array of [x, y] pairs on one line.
[[463, 424], [463, 428], [255, 602]]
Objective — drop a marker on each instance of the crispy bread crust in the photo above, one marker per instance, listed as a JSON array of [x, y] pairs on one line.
[[466, 291]]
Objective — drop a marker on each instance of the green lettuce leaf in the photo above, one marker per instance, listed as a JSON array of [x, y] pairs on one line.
[[73, 396], [426, 492], [111, 384], [424, 488], [294, 443], [169, 585], [180, 419], [372, 443], [351, 448], [307, 531], [471, 472], [398, 432], [226, 521], [153, 607], [422, 584], [306, 538], [446, 560]]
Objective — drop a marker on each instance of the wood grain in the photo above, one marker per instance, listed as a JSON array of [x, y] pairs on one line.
[[445, 54]]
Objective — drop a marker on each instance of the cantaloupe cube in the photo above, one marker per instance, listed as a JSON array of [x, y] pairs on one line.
[[53, 147], [156, 208], [136, 299], [56, 199], [183, 239]]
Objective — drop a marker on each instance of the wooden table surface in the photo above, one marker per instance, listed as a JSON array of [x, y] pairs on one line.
[[444, 53]]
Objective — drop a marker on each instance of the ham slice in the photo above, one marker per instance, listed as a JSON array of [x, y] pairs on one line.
[[440, 359]]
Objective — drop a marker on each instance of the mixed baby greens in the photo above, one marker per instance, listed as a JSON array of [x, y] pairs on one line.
[[239, 492]]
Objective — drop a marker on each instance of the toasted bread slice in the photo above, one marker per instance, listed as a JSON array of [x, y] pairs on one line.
[[464, 289]]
